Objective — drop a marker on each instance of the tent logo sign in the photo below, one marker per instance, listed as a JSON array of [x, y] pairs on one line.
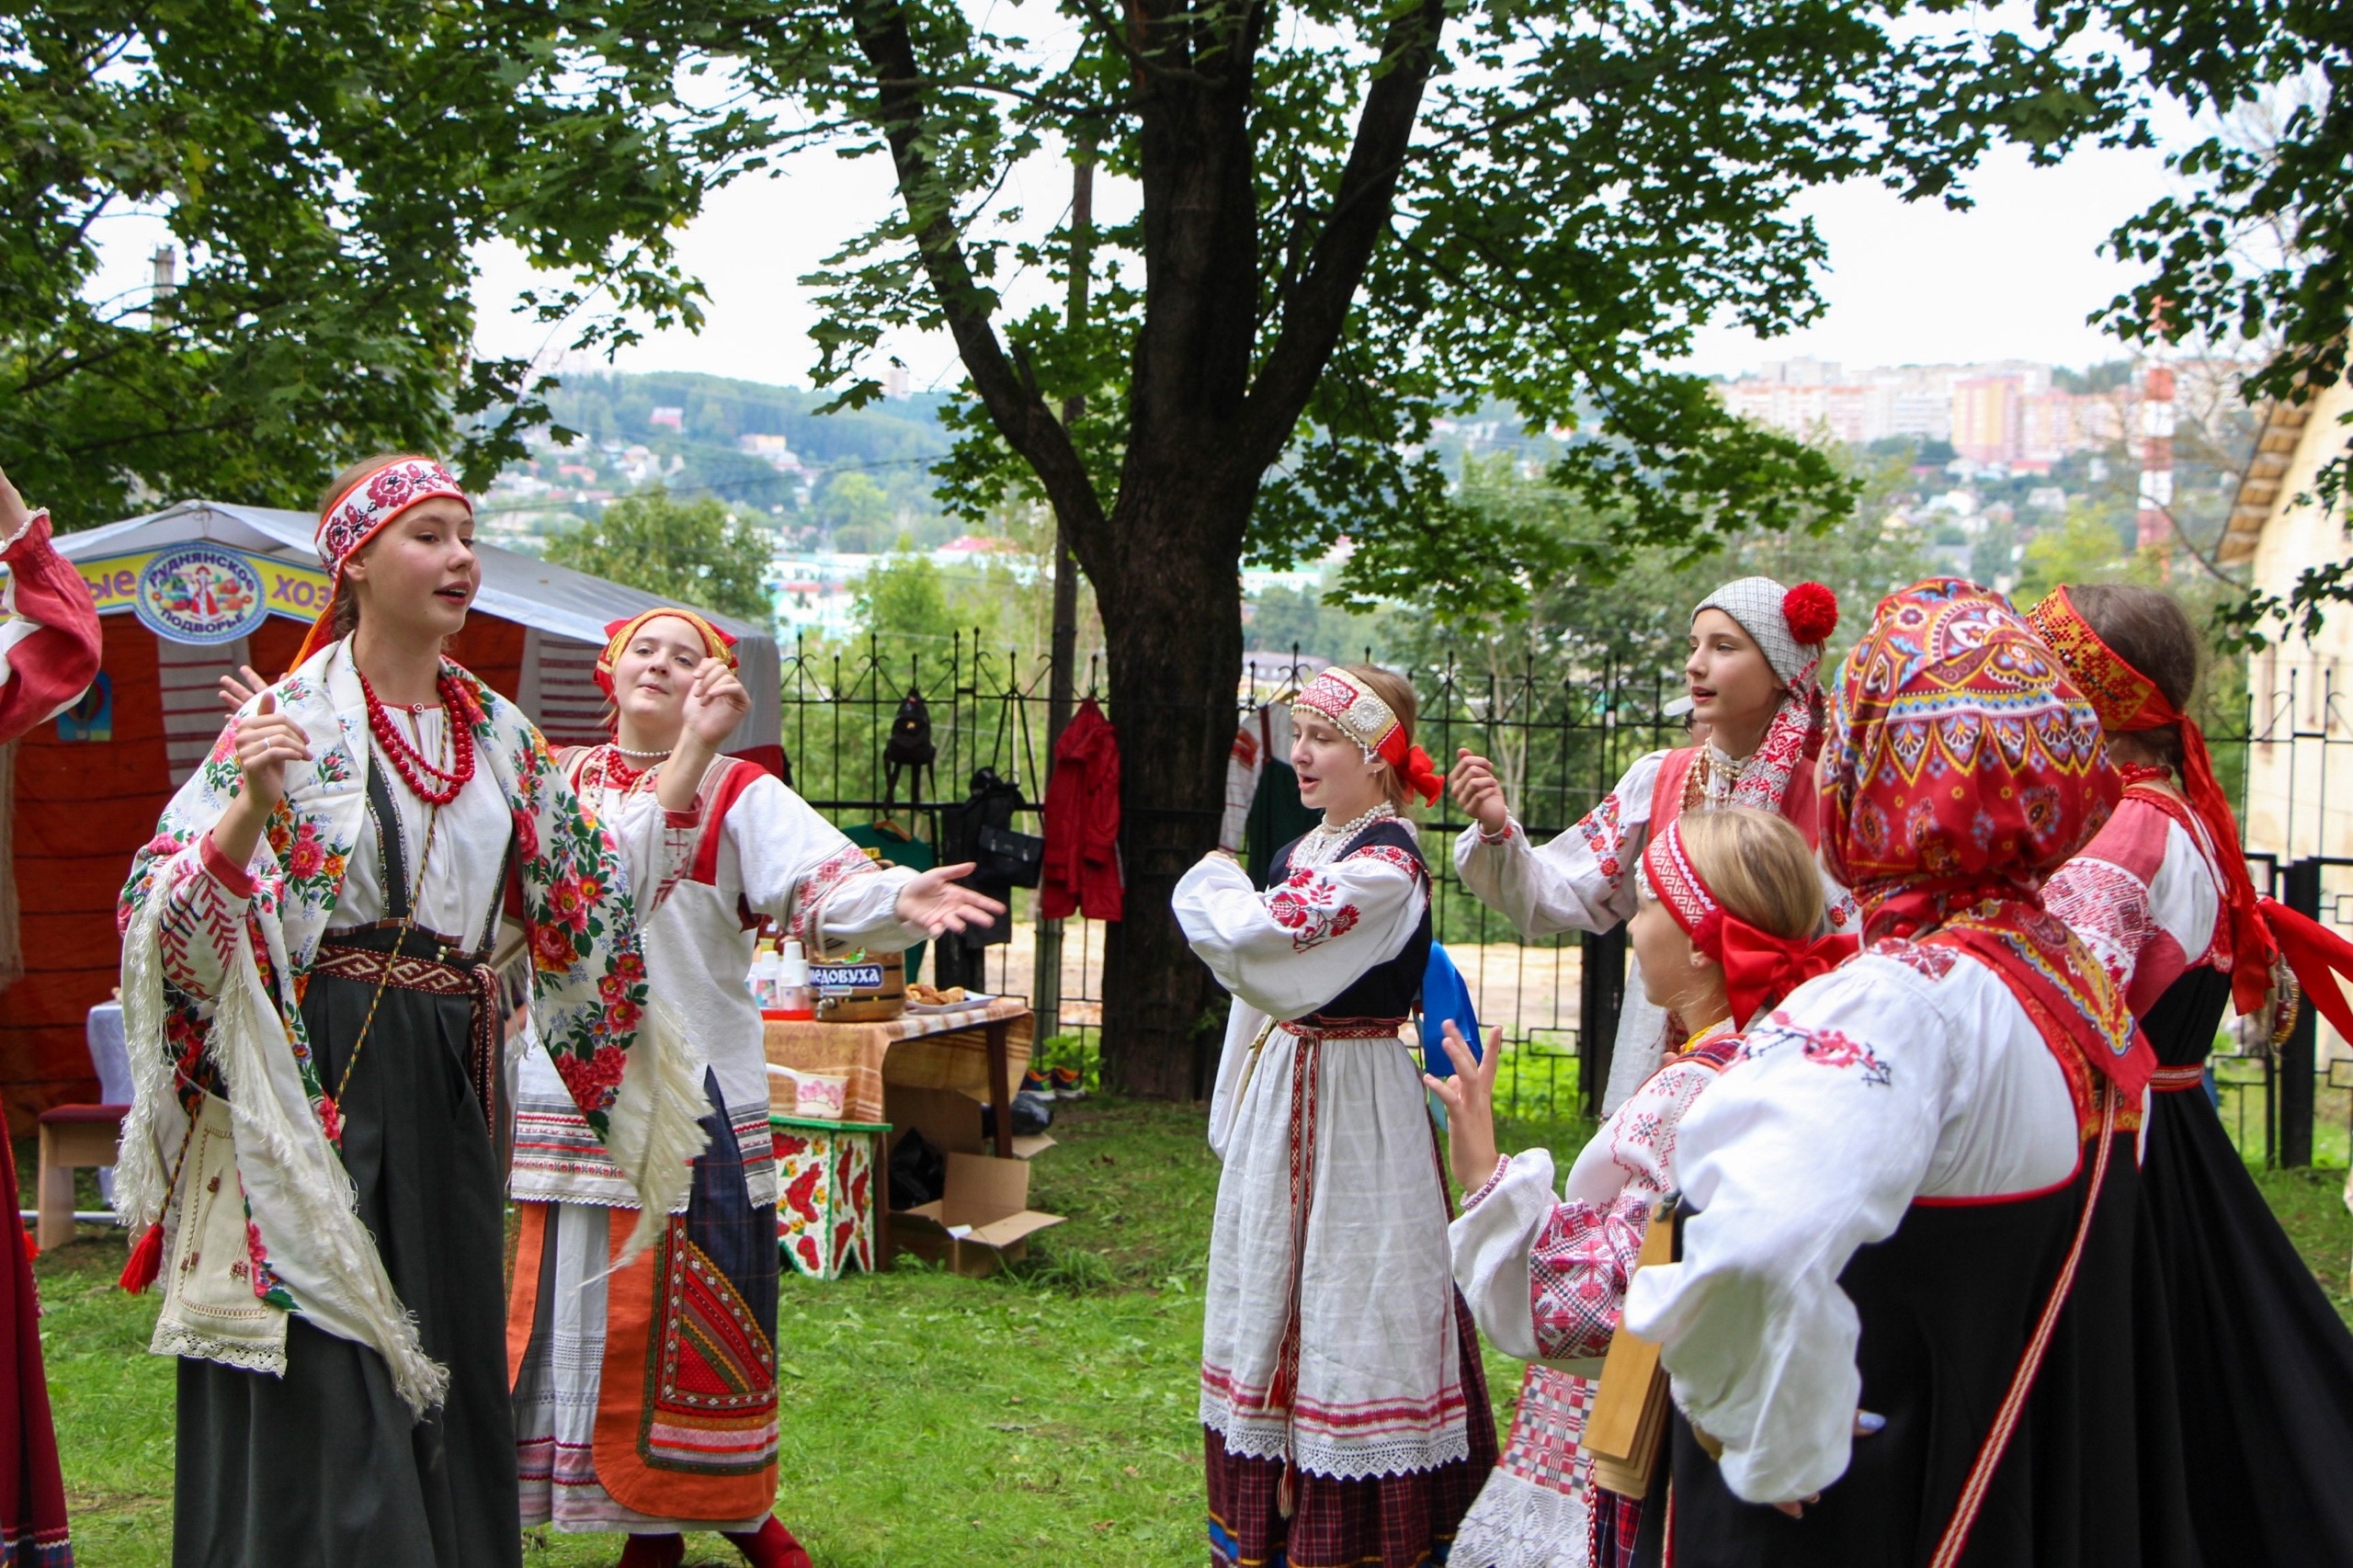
[[200, 593]]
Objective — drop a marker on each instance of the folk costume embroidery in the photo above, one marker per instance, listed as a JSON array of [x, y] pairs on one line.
[[1962, 767], [217, 957], [1340, 1378], [645, 1397], [1582, 880], [2252, 1371]]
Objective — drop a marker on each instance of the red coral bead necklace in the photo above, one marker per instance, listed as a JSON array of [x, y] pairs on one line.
[[429, 782]]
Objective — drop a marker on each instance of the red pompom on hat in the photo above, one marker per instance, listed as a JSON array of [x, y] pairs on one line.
[[1811, 611]]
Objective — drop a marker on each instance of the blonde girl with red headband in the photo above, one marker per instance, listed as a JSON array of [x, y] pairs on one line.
[[315, 1145], [2250, 1364], [615, 1433], [1344, 1410], [1730, 902]]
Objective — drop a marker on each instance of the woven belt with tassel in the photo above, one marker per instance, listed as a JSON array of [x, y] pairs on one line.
[[456, 974]]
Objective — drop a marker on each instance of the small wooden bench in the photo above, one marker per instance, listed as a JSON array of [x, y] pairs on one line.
[[71, 1136]]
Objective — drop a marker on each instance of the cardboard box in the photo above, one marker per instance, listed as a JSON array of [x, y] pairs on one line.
[[981, 1223], [949, 1121]]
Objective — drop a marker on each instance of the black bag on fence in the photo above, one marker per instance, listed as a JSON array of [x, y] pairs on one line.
[[1018, 859], [910, 747]]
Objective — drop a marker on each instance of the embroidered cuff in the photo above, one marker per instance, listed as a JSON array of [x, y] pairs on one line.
[[1503, 1164], [691, 817], [235, 878], [1510, 827]]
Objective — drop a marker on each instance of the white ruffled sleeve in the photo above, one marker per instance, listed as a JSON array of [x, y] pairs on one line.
[[1492, 1239], [1811, 1145], [1582, 880], [1289, 949]]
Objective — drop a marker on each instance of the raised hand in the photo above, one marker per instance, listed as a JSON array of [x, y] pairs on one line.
[[938, 902], [266, 741], [238, 690], [14, 513], [716, 703], [1469, 1100], [1478, 793]]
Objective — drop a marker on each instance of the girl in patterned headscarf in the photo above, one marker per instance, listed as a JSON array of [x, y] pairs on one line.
[[1914, 1192], [2250, 1360], [317, 1043], [1753, 673]]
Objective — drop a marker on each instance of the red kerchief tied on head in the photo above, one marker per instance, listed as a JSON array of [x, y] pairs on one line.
[[716, 645], [2127, 702]]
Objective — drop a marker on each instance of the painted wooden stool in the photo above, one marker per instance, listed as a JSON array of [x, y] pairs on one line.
[[829, 1216]]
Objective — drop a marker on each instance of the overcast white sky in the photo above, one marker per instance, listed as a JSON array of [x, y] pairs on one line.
[[2013, 277]]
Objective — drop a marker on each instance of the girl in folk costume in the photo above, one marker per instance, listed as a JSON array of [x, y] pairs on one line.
[[1345, 1412], [1730, 903], [2260, 1367], [1913, 1191], [615, 1367], [317, 1052], [1756, 658]]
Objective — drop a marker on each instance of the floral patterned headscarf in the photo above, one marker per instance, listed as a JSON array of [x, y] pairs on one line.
[[1962, 768]]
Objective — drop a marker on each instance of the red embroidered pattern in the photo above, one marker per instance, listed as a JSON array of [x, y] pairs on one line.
[[2107, 907], [1604, 836], [1827, 1048], [1308, 906], [1577, 1273], [1389, 854], [1931, 961]]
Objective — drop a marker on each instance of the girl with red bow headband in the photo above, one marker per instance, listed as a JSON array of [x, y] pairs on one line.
[[1345, 1409], [1730, 902], [747, 850], [2261, 1366]]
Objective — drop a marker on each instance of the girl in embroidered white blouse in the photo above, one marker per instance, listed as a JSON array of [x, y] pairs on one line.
[[1546, 1276], [1345, 1413]]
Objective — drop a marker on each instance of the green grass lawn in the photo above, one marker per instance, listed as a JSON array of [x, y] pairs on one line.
[[927, 1419]]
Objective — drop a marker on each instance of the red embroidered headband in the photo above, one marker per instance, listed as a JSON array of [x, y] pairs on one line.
[[1357, 712], [361, 513], [716, 645], [1760, 968]]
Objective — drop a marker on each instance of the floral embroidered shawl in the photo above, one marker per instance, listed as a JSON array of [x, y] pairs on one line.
[[246, 1043]]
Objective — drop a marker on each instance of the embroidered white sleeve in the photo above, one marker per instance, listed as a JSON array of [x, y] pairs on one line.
[[804, 873], [1492, 1239], [1289, 950], [1809, 1147], [1582, 881]]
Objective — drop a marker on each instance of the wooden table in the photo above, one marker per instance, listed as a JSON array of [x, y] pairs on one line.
[[969, 1049]]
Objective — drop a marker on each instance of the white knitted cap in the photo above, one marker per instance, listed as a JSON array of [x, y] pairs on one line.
[[1756, 603]]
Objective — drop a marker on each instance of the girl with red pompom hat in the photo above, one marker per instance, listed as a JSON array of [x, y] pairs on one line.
[[1752, 673]]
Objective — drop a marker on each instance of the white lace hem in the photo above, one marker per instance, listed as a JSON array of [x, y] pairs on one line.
[[173, 1339], [1517, 1524], [1398, 1453]]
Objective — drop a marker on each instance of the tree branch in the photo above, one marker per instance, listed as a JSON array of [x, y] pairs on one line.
[[1019, 414], [1359, 213]]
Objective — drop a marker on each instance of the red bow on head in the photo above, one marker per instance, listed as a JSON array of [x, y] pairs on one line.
[[1760, 971]]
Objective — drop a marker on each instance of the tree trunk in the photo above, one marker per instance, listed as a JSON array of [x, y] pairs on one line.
[[1171, 626]]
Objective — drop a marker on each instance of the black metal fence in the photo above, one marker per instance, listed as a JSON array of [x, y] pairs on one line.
[[1560, 745]]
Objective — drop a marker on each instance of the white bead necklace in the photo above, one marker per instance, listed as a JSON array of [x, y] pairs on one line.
[[1324, 840]]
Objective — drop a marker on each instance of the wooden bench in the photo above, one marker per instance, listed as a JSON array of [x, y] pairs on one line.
[[71, 1136]]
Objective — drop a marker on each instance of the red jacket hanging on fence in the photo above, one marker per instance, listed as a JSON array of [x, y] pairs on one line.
[[1081, 862]]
